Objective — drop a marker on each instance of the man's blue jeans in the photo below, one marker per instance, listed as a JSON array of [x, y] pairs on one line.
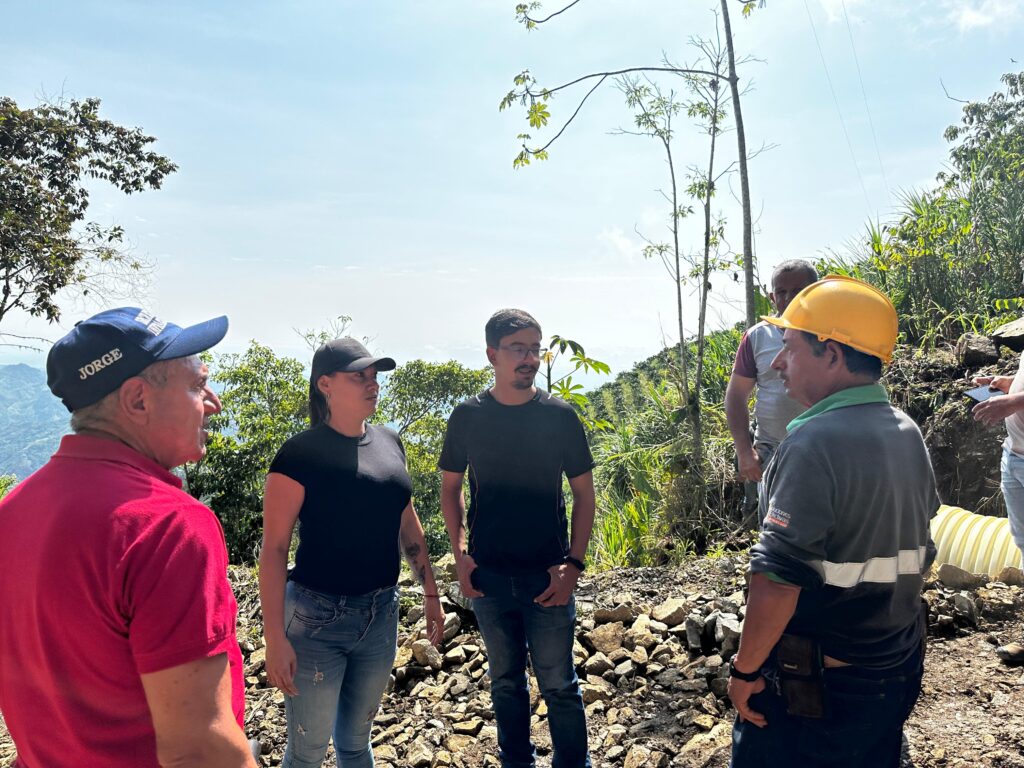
[[345, 647], [512, 624], [1012, 470], [865, 712]]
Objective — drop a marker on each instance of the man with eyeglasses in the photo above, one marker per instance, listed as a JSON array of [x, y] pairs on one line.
[[520, 564]]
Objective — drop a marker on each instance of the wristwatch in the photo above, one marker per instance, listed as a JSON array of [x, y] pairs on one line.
[[747, 677], [577, 564]]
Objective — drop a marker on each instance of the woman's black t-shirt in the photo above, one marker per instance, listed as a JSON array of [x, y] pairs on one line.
[[356, 491]]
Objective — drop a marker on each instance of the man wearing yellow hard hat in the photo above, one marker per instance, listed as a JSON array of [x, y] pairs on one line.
[[831, 655]]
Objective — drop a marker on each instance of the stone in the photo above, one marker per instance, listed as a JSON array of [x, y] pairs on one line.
[[658, 629], [597, 664], [973, 350], [637, 757], [957, 578], [456, 656], [442, 759], [452, 625], [640, 634], [454, 593], [596, 689], [458, 743], [606, 637], [626, 669], [402, 657], [418, 755], [964, 606], [694, 626], [444, 567], [703, 747], [427, 655], [386, 752], [727, 634], [1010, 335], [458, 685], [616, 734], [720, 686], [469, 727], [672, 612], [704, 721], [579, 653], [428, 692], [1011, 576], [257, 660], [621, 613]]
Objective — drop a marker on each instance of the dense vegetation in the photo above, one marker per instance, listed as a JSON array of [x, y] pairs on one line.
[[950, 259]]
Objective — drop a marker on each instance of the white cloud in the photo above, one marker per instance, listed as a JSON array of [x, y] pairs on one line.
[[968, 15], [620, 246], [834, 9]]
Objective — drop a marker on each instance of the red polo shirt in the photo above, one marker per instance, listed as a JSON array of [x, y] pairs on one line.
[[108, 570]]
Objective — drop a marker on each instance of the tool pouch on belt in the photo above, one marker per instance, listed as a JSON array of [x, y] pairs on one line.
[[800, 674]]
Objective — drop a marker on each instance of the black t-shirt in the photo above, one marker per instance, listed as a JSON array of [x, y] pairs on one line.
[[516, 455], [356, 491]]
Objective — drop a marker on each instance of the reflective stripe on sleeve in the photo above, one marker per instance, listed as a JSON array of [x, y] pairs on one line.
[[879, 570]]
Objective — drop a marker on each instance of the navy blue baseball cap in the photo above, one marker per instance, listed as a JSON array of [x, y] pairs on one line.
[[101, 353]]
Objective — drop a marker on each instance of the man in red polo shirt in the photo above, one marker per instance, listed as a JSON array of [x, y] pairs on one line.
[[117, 622]]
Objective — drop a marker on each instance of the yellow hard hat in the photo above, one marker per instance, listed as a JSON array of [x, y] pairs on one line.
[[845, 310]]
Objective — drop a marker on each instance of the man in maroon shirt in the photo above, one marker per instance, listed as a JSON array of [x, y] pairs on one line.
[[117, 622]]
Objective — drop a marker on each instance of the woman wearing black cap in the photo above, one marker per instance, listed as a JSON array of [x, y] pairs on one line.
[[331, 625]]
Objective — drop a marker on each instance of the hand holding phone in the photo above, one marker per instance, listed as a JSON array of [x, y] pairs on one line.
[[983, 393]]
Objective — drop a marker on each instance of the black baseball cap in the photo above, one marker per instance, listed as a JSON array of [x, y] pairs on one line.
[[345, 355], [101, 353]]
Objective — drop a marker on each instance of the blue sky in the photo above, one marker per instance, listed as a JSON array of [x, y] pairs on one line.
[[349, 158]]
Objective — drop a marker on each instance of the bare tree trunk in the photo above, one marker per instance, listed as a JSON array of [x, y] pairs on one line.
[[678, 275], [741, 144], [705, 287]]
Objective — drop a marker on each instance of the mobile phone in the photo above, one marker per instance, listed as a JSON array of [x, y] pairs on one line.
[[983, 393]]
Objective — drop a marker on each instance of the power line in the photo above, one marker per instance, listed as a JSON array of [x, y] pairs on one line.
[[839, 111], [867, 108]]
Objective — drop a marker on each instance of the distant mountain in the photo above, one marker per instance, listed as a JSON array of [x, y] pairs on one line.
[[32, 420]]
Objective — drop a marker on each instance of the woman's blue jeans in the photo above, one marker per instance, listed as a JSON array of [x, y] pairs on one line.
[[345, 646], [512, 625], [1012, 470]]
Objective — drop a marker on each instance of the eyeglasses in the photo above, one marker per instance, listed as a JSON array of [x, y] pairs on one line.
[[520, 351]]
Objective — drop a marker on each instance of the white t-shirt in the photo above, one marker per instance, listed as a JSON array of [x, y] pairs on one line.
[[1015, 421]]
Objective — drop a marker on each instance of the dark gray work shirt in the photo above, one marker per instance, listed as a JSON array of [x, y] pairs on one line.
[[845, 516]]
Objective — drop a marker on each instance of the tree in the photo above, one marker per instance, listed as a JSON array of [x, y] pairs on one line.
[[951, 259], [46, 156], [655, 113], [417, 400], [7, 482], [536, 99], [563, 386]]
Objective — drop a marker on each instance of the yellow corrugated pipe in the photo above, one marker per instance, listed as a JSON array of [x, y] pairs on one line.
[[976, 543]]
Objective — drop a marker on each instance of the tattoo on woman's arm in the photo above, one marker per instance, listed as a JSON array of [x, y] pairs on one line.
[[412, 553]]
